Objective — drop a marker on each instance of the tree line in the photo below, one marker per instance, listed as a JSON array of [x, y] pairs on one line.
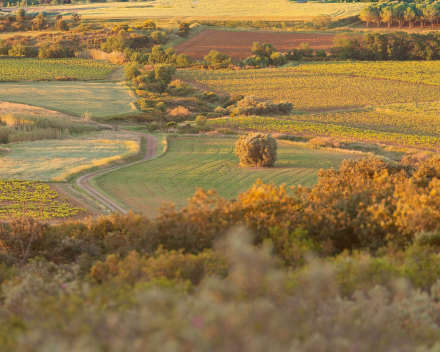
[[401, 13]]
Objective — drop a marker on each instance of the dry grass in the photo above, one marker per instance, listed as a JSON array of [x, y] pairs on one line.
[[114, 57], [208, 9], [57, 160]]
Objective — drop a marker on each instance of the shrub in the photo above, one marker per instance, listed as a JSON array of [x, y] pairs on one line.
[[159, 37], [180, 113], [217, 60], [257, 149], [47, 51], [201, 120], [76, 18], [115, 43], [132, 70], [39, 22], [277, 59], [61, 25], [20, 15]]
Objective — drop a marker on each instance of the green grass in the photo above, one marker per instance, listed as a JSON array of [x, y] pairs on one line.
[[101, 99], [52, 69], [313, 91], [208, 162], [56, 160]]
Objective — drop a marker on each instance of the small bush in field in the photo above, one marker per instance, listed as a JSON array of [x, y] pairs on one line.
[[180, 113], [201, 120], [257, 149]]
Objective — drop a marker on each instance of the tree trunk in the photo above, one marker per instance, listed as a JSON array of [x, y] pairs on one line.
[[409, 24], [378, 24], [368, 24], [421, 24], [432, 24], [389, 24]]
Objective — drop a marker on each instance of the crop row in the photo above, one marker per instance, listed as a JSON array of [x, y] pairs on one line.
[[268, 124], [33, 199], [419, 119], [314, 91], [51, 69], [427, 72]]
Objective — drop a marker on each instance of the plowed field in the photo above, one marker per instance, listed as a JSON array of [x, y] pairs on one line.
[[238, 44]]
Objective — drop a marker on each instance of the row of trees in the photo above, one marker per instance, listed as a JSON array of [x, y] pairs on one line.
[[397, 46], [401, 12]]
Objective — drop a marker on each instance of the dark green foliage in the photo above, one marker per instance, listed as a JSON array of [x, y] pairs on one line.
[[115, 43], [217, 60], [48, 51], [160, 55]]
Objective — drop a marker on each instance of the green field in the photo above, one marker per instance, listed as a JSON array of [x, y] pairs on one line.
[[208, 162], [52, 69], [101, 99], [56, 160], [314, 91]]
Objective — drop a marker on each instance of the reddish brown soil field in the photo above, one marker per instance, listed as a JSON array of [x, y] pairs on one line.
[[238, 44]]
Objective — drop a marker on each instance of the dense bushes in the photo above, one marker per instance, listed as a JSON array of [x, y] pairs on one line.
[[252, 105], [217, 60], [388, 46], [47, 51], [256, 149]]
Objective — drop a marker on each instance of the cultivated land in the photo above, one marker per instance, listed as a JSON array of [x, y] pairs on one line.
[[101, 99], [208, 162], [52, 69], [238, 44], [207, 9], [56, 160], [34, 199], [313, 91]]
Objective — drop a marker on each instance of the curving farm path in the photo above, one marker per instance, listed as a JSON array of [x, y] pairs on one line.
[[83, 181]]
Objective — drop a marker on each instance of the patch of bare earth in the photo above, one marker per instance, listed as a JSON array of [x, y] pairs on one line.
[[238, 45]]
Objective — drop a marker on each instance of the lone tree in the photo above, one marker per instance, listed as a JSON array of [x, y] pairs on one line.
[[256, 149]]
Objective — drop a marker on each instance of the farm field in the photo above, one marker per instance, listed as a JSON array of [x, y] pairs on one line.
[[208, 162], [427, 72], [313, 91], [101, 99], [206, 9], [52, 69], [56, 160], [238, 44], [34, 199], [270, 124], [417, 119]]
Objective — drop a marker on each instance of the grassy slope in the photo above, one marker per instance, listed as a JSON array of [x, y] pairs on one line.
[[101, 99], [50, 160], [208, 162]]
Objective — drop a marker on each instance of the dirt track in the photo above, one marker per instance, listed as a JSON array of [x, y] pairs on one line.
[[238, 45], [82, 181]]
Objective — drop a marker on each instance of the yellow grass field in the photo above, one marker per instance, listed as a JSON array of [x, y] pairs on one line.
[[56, 160], [208, 9]]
